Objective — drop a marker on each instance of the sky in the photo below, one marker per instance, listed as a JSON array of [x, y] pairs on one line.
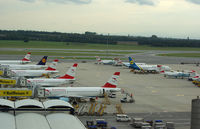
[[164, 18]]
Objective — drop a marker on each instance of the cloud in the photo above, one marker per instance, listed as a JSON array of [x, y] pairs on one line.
[[28, 0], [194, 1], [63, 1], [142, 2]]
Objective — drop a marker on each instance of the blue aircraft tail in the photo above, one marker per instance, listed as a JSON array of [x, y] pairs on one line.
[[132, 64], [43, 61]]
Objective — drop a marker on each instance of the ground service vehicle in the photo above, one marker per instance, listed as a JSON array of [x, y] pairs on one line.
[[126, 100], [146, 125], [158, 124], [112, 95], [137, 122], [90, 125], [123, 118], [101, 123], [170, 125]]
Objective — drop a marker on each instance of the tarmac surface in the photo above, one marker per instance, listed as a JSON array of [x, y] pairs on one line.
[[156, 97], [153, 93], [181, 119]]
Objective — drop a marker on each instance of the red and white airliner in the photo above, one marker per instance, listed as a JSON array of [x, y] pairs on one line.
[[33, 73], [84, 92], [68, 78], [25, 60], [39, 65]]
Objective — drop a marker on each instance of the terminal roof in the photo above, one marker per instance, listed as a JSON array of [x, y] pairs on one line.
[[56, 103], [6, 103]]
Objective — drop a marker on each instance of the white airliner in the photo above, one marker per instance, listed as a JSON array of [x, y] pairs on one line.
[[127, 64], [39, 65], [25, 60], [176, 74], [84, 92], [69, 77], [105, 62], [33, 73], [146, 67]]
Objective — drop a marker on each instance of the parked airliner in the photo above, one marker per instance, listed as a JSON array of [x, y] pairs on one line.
[[39, 65], [25, 60], [84, 92], [68, 78]]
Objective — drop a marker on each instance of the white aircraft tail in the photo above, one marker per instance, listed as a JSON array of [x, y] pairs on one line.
[[27, 57], [98, 60], [52, 67], [117, 61], [193, 73], [112, 82], [70, 73]]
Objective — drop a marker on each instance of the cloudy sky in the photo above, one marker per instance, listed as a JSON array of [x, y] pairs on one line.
[[164, 18]]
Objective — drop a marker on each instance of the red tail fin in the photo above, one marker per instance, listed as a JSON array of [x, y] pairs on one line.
[[52, 67], [112, 82], [70, 73], [162, 71], [159, 65], [56, 60], [75, 65], [27, 57]]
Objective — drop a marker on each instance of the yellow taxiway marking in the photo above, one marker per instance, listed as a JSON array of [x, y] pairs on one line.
[[154, 91]]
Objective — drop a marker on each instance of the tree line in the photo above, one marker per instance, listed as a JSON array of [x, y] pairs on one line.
[[93, 37]]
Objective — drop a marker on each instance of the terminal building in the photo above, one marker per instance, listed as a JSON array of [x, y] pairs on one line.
[[33, 114]]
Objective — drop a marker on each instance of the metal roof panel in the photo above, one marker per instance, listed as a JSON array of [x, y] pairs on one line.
[[31, 121], [28, 102], [7, 121], [5, 102], [54, 103], [63, 121]]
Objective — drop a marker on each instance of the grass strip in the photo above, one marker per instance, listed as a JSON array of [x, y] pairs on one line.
[[53, 53], [69, 45]]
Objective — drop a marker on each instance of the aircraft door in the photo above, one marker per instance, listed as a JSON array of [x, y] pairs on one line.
[[7, 72], [103, 91], [23, 81]]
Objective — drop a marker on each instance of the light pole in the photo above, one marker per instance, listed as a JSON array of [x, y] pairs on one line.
[[107, 45]]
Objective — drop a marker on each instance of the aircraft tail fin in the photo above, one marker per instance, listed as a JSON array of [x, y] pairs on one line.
[[42, 61], [162, 71], [98, 59], [27, 57], [193, 73], [132, 64], [70, 73], [117, 61], [112, 82], [52, 67]]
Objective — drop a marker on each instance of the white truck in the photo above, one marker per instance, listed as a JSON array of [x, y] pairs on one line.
[[122, 118], [137, 122], [146, 125]]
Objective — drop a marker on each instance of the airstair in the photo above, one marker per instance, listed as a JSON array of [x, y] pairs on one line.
[[119, 109]]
